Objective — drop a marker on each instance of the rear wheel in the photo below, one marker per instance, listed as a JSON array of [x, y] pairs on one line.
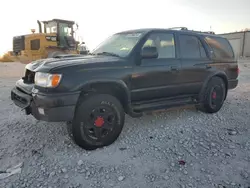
[[98, 121], [214, 95]]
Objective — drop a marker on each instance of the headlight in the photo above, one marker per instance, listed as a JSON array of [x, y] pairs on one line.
[[47, 80]]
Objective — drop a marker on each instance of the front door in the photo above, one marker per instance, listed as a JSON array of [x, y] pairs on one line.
[[158, 77]]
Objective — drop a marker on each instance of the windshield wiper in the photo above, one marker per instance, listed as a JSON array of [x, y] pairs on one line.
[[108, 53]]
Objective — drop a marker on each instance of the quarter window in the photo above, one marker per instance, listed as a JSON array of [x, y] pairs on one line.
[[165, 44], [191, 47], [220, 46]]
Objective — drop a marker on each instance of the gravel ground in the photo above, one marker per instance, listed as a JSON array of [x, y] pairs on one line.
[[176, 148]]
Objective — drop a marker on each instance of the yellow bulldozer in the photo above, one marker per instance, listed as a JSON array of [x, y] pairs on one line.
[[55, 37]]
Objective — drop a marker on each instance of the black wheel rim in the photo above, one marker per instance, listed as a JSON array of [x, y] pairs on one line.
[[216, 96], [100, 123]]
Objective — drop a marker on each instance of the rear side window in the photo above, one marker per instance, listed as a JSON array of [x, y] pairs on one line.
[[221, 47], [191, 47]]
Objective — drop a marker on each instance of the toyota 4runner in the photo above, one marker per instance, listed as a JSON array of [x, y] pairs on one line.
[[129, 73]]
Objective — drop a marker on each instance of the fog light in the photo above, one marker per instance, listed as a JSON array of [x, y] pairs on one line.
[[41, 111]]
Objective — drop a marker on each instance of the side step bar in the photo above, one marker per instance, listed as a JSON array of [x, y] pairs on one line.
[[163, 103]]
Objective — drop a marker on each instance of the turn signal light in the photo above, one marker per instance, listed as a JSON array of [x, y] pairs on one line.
[[55, 80]]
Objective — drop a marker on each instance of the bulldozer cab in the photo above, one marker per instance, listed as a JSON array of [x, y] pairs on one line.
[[64, 31], [55, 37]]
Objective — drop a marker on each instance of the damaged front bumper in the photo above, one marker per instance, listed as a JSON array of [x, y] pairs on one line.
[[47, 107]]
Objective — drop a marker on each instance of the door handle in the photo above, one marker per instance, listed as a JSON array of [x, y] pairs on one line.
[[174, 68]]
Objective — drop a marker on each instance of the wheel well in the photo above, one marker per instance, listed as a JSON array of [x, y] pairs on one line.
[[224, 78], [108, 88]]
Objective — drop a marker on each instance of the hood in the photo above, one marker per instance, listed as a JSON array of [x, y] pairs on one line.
[[45, 65]]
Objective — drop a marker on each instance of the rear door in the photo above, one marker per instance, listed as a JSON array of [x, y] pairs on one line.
[[195, 63]]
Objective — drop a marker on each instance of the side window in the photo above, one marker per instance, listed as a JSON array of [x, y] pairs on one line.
[[220, 46], [164, 42], [191, 47], [202, 50]]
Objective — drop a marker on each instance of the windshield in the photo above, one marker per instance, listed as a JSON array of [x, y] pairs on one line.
[[51, 27], [120, 44], [65, 29]]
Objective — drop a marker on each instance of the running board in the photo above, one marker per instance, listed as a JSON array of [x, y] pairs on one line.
[[163, 103]]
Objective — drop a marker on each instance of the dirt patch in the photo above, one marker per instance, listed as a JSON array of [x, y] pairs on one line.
[[12, 70]]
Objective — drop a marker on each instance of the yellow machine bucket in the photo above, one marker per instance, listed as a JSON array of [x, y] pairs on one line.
[[21, 59], [9, 57]]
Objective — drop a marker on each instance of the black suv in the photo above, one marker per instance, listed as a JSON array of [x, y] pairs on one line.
[[129, 73]]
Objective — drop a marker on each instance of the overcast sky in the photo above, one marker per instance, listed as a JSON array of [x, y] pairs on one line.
[[98, 19]]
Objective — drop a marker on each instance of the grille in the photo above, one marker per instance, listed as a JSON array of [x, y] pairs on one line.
[[29, 77], [18, 44]]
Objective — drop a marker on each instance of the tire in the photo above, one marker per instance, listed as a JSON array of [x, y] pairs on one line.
[[214, 95], [98, 121]]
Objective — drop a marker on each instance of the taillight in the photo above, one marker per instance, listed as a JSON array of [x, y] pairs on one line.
[[238, 70]]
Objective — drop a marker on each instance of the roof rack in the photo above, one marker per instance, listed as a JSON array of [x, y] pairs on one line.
[[178, 28], [186, 29], [209, 32]]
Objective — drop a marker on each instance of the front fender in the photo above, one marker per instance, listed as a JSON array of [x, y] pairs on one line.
[[103, 81], [107, 85], [112, 85]]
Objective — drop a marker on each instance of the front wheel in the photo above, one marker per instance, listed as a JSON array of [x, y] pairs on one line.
[[98, 121], [214, 95]]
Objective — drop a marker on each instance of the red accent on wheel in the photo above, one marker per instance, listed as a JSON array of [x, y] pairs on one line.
[[214, 95], [99, 122]]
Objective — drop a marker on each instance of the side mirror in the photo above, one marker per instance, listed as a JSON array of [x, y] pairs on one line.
[[149, 52]]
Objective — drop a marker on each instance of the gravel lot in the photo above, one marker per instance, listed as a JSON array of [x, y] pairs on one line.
[[177, 148]]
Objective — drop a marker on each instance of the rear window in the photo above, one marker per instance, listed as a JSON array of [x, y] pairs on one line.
[[221, 47]]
